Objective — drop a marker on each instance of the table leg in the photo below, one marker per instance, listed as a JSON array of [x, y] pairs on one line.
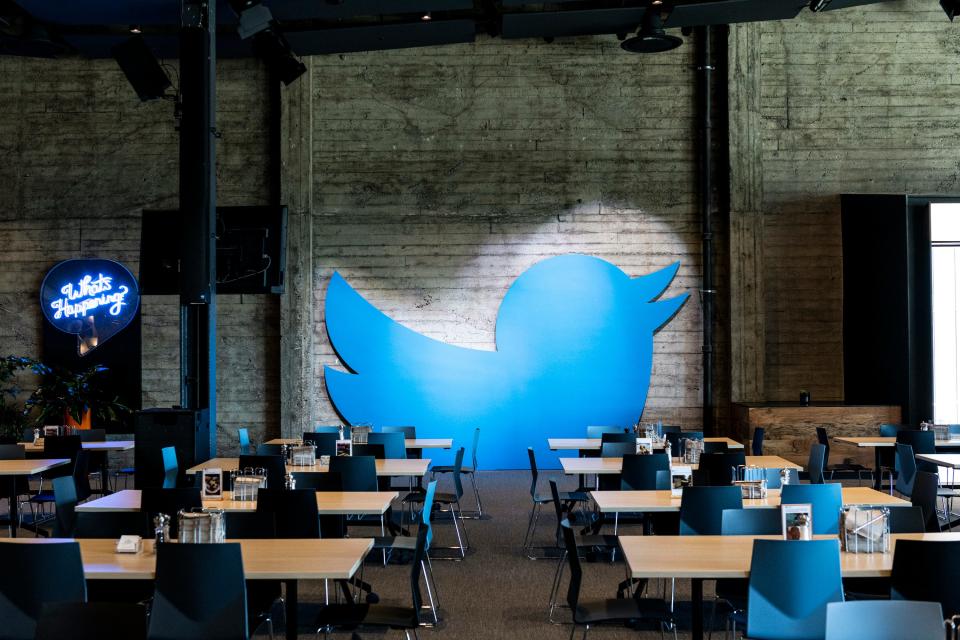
[[877, 475], [696, 615], [293, 622], [14, 515]]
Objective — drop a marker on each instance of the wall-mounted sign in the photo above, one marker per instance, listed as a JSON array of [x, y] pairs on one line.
[[93, 298], [574, 341]]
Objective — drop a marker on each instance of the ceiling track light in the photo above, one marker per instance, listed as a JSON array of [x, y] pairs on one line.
[[651, 37]]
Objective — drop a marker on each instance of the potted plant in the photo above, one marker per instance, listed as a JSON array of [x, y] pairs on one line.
[[81, 397], [13, 417]]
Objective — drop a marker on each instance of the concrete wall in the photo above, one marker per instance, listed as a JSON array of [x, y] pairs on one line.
[[440, 175], [81, 159]]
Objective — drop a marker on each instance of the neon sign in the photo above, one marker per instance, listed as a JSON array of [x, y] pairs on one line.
[[93, 298]]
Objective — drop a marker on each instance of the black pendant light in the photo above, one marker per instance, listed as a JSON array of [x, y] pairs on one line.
[[651, 37]]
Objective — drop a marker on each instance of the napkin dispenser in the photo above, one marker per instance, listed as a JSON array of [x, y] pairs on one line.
[[204, 526]]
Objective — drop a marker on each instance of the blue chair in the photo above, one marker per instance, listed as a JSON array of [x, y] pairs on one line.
[[170, 467], [884, 620], [200, 593], [330, 429], [774, 481], [274, 465], [244, 437], [922, 442], [33, 575], [733, 591], [325, 443], [617, 449], [906, 466], [756, 445], [715, 447], [826, 500], [357, 473], [539, 500], [269, 450], [676, 438], [717, 468], [639, 472], [394, 445], [926, 571], [597, 432], [791, 584], [815, 463], [701, 509], [617, 438], [471, 471]]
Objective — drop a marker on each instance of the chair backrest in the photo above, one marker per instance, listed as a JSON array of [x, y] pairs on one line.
[[906, 469], [891, 430], [328, 481], [375, 451], [924, 495], [953, 429], [61, 447], [269, 450], [750, 522], [663, 480], [618, 438], [476, 447], [815, 463], [670, 428], [457, 480], [93, 435], [65, 497], [168, 501], [92, 621], [692, 435], [409, 433], [715, 447], [12, 452], [598, 431], [332, 429], [81, 475], [428, 510], [922, 442], [244, 437], [200, 593], [791, 583], [718, 468], [926, 571], [170, 467], [884, 620], [250, 524], [558, 505], [617, 449], [639, 472], [774, 481], [33, 575], [576, 571], [701, 509], [274, 465], [826, 500], [110, 524], [825, 441], [907, 520], [357, 473], [756, 445], [534, 474], [326, 443], [394, 444], [295, 511]]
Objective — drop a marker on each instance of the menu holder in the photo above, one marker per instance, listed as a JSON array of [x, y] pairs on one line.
[[344, 447], [680, 476], [644, 446], [212, 483], [797, 520]]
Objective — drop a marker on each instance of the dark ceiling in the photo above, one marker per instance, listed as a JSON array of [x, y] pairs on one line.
[[91, 27]]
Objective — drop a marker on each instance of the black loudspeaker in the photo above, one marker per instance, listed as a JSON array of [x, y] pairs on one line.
[[144, 73], [188, 431], [887, 303]]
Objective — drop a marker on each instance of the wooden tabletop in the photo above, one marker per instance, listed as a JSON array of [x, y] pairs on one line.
[[614, 465], [102, 445], [660, 501], [951, 460], [29, 467], [886, 441], [729, 556], [267, 559], [593, 444], [417, 443], [328, 502], [411, 467]]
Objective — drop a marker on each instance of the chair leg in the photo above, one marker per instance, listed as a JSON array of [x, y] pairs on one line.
[[456, 528], [531, 529], [459, 514], [426, 580], [476, 492], [433, 578], [555, 589]]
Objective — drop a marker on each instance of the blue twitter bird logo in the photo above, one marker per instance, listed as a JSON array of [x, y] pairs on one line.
[[574, 347]]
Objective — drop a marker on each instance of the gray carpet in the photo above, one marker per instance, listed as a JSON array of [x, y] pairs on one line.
[[497, 592]]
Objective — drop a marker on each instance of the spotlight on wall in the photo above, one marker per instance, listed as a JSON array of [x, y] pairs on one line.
[[651, 37], [257, 22], [951, 8]]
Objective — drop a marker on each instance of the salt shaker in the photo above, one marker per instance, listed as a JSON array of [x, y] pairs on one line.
[[161, 529], [36, 436], [784, 476], [289, 481]]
